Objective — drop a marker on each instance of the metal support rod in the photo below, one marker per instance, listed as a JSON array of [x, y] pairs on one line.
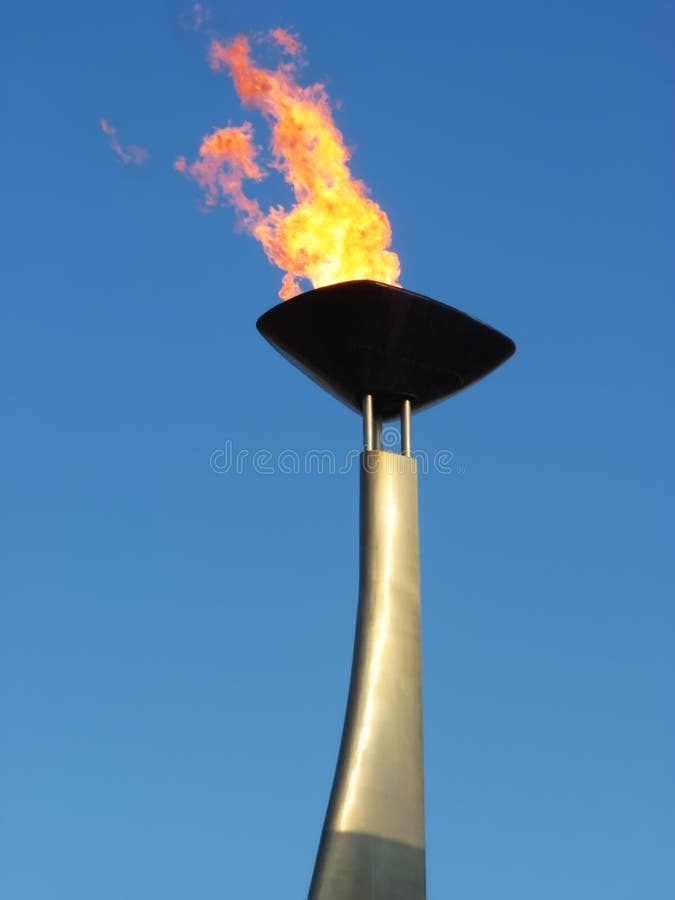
[[378, 432], [406, 429], [368, 423]]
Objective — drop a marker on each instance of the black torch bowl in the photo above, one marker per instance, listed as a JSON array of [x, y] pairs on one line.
[[364, 337]]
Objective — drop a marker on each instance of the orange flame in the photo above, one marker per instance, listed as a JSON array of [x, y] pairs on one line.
[[129, 154], [195, 17], [334, 231], [286, 41]]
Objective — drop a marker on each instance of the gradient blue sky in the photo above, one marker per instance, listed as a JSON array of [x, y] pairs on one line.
[[174, 643]]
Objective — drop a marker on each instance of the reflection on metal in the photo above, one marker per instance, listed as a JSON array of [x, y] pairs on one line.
[[406, 428], [378, 432], [372, 845], [368, 423]]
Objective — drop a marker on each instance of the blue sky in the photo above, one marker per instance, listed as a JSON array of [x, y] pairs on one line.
[[175, 643]]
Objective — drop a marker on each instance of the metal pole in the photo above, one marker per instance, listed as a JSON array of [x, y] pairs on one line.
[[368, 423], [372, 844], [406, 429]]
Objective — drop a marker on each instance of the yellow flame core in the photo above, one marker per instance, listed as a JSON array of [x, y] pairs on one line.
[[334, 231]]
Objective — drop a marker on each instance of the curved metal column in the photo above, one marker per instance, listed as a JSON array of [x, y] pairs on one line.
[[372, 845]]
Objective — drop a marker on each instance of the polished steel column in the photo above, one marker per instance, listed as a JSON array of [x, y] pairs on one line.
[[372, 845]]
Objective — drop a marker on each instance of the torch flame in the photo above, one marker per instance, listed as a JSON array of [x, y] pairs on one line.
[[286, 41], [131, 153], [334, 231]]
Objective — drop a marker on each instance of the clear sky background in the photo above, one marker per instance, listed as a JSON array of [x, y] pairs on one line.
[[175, 644]]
